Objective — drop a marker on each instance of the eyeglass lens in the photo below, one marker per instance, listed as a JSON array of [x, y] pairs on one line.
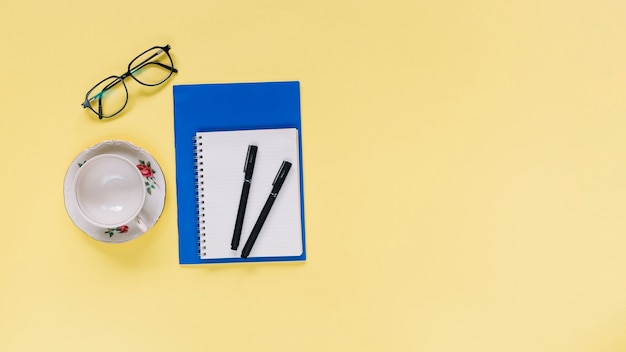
[[152, 67], [109, 96]]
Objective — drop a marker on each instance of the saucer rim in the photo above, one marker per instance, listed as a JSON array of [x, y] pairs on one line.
[[127, 147]]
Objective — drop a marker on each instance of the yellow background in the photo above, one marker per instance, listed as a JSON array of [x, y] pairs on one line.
[[464, 170]]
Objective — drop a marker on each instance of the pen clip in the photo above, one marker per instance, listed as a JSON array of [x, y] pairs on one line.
[[280, 176], [248, 166]]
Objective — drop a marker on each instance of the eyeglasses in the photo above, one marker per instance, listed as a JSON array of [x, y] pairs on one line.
[[150, 68]]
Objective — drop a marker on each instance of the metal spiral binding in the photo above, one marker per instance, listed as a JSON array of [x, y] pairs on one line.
[[199, 168]]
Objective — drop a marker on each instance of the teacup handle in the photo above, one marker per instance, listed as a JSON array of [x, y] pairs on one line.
[[141, 224]]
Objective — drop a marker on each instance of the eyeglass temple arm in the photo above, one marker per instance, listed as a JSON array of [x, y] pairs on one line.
[[100, 106], [99, 95], [139, 67]]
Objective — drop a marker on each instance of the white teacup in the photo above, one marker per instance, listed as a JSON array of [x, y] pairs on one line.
[[110, 192]]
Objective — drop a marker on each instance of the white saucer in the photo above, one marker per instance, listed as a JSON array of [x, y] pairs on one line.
[[154, 181]]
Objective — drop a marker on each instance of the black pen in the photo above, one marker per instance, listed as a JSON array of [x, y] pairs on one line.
[[248, 168], [277, 184]]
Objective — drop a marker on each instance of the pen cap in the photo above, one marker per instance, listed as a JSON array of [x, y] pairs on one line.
[[280, 176], [248, 167]]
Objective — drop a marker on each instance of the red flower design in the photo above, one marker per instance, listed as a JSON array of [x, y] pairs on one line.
[[122, 229], [146, 170]]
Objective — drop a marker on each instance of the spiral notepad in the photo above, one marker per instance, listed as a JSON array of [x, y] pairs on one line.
[[220, 158]]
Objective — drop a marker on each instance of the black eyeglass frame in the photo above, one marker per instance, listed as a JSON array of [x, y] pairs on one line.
[[129, 72]]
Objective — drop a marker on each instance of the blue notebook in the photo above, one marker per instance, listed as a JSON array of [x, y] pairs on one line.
[[218, 122]]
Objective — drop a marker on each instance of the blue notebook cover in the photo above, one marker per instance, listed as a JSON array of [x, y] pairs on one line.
[[226, 107]]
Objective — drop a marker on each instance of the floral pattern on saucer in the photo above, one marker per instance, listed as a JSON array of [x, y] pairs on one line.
[[148, 172], [119, 229]]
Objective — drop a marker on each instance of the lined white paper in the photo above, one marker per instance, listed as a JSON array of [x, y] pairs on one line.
[[221, 178]]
